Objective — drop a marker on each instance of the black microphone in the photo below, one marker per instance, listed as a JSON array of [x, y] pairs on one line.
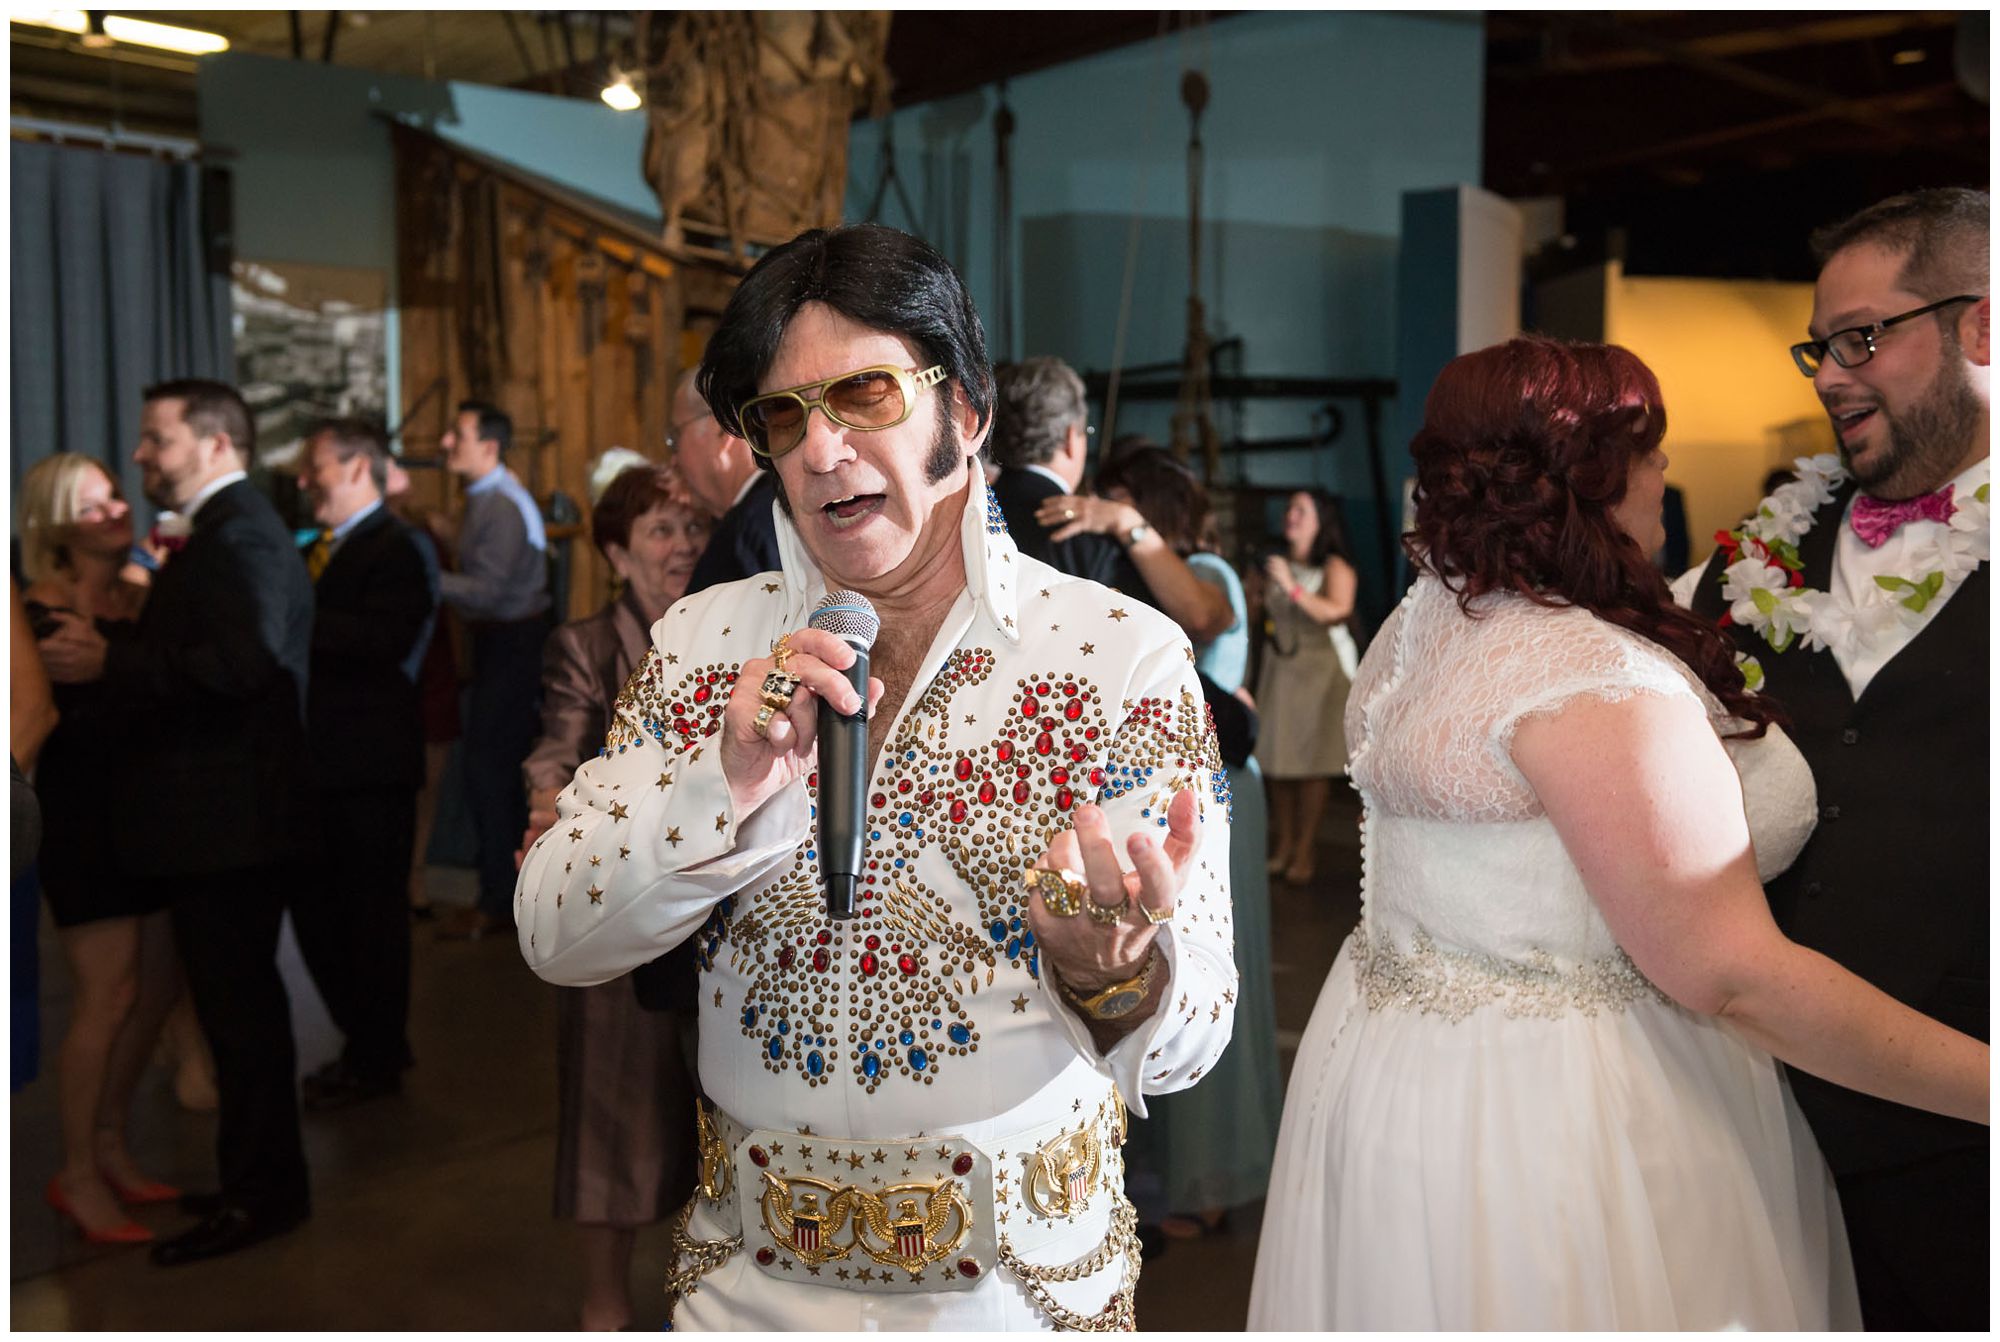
[[843, 756]]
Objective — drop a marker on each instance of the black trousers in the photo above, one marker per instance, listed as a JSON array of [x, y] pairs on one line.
[[501, 722], [1921, 1242], [227, 924], [353, 922]]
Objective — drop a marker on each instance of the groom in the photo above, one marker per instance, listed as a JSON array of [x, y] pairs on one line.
[[1888, 701]]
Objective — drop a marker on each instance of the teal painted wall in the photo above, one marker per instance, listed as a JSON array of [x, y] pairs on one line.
[[1316, 125]]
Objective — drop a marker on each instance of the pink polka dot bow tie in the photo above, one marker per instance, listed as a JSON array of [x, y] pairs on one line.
[[1875, 521]]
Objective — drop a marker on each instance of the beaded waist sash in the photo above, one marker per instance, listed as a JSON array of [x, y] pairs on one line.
[[917, 1214], [1451, 983]]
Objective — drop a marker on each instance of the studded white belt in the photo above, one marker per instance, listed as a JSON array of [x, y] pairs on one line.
[[925, 1213]]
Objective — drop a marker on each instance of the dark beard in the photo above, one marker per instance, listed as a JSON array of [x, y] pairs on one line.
[[939, 462], [1927, 440]]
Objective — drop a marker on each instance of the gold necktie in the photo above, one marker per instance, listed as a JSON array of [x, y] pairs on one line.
[[318, 553]]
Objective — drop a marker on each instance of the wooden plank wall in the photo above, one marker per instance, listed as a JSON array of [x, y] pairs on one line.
[[570, 323]]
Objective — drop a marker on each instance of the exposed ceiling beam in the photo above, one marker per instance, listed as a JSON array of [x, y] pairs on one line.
[[1857, 111], [1896, 104], [1746, 42]]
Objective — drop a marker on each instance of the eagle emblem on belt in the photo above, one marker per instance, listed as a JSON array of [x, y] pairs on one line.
[[909, 1238], [806, 1216], [1062, 1174]]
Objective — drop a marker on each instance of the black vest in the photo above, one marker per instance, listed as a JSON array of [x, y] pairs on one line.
[[1893, 883]]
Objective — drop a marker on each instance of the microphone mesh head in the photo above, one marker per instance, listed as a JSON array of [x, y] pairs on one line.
[[849, 616]]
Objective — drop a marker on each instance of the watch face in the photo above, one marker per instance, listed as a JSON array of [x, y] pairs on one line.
[[1118, 1004]]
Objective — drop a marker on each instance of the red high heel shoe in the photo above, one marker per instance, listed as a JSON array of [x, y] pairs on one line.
[[144, 1195], [131, 1232]]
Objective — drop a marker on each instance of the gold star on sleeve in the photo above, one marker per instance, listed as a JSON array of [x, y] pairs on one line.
[[1118, 614], [618, 810], [596, 895], [772, 587], [721, 823], [674, 836], [1021, 1003], [666, 781], [1087, 649], [575, 835]]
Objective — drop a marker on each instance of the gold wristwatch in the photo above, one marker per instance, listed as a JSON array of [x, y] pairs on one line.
[[1117, 1000]]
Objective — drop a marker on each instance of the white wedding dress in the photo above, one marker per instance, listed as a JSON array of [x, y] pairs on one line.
[[1494, 1121]]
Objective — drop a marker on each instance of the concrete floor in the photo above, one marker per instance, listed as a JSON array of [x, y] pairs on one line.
[[432, 1209]]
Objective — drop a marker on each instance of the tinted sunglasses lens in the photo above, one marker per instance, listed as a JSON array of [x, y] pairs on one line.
[[867, 400], [776, 425]]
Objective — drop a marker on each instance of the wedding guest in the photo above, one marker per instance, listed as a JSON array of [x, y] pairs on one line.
[[500, 588], [1211, 1145], [1309, 662], [210, 683], [76, 534], [372, 607], [1876, 643], [1540, 1089], [625, 1140]]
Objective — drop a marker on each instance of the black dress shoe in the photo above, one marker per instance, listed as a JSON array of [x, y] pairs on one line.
[[226, 1231], [201, 1204], [349, 1089]]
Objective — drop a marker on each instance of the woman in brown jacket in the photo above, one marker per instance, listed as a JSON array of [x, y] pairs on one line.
[[625, 1140]]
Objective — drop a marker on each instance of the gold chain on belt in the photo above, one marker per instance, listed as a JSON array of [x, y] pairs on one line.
[[1117, 1315], [694, 1258]]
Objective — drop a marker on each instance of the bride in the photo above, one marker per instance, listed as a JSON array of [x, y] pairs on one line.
[[1538, 1089]]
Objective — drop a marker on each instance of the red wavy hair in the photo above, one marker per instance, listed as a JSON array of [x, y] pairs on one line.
[[1524, 451]]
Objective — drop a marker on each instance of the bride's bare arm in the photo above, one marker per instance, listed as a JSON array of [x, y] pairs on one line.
[[1651, 811]]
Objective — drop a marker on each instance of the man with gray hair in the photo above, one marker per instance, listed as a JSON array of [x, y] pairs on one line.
[[1041, 440]]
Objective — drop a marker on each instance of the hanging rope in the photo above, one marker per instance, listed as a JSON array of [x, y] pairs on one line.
[[1132, 241], [1193, 423], [890, 177], [1003, 225]]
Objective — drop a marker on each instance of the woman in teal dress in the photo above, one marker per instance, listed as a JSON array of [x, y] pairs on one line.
[[1211, 1145]]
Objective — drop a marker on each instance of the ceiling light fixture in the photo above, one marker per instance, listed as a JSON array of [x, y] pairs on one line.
[[620, 96], [121, 28], [1911, 56]]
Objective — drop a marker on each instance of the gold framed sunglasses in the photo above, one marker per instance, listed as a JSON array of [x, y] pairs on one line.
[[867, 398]]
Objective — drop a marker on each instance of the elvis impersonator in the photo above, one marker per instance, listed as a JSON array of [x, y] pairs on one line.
[[915, 1113]]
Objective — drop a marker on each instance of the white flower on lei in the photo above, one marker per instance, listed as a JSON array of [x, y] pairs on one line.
[[1762, 598], [1958, 547], [1847, 628], [1821, 474]]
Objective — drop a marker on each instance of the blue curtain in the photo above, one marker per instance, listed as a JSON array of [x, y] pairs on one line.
[[116, 286]]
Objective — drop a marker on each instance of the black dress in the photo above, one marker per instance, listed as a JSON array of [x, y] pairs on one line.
[[84, 754]]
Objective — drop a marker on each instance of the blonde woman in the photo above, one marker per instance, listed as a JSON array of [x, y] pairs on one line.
[[76, 536]]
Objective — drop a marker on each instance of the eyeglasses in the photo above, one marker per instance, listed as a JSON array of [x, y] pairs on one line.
[[1856, 345], [866, 399], [675, 430]]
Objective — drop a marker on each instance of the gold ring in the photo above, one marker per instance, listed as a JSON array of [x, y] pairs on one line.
[[781, 651], [778, 689], [1062, 892], [761, 724], [1156, 917], [1106, 915]]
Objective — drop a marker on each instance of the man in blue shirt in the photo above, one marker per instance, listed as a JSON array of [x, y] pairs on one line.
[[501, 590]]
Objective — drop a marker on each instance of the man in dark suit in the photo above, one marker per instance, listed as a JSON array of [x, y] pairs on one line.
[[724, 478], [372, 603], [216, 806], [1040, 442], [1889, 705]]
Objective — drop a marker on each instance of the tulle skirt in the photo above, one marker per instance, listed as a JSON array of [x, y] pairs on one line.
[[1633, 1169]]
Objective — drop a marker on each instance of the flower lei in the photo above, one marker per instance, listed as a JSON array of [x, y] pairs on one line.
[[1764, 580]]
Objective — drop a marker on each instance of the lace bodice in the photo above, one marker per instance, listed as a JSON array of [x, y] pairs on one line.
[[1457, 850]]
